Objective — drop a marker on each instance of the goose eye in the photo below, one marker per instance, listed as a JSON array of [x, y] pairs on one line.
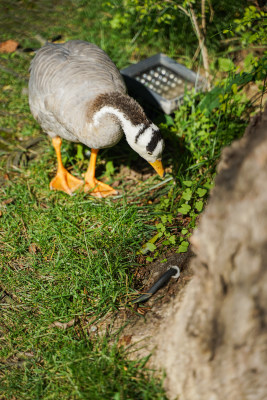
[[149, 152]]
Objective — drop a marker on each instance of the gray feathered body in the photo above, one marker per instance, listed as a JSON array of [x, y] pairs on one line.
[[65, 80]]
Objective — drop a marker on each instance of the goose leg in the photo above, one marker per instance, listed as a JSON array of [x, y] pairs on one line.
[[96, 188], [63, 179]]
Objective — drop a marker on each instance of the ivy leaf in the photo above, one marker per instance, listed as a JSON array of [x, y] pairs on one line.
[[160, 227], [183, 247], [150, 246], [201, 192], [184, 231], [164, 219], [188, 183], [199, 205], [208, 185], [184, 209], [172, 239], [110, 168], [166, 242], [79, 154], [225, 64], [187, 194]]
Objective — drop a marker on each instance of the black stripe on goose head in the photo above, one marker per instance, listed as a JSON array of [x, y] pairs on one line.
[[156, 138], [123, 103], [141, 131]]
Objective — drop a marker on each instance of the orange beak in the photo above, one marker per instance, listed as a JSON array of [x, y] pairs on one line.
[[158, 167]]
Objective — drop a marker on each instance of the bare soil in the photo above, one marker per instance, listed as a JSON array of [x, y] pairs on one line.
[[138, 325]]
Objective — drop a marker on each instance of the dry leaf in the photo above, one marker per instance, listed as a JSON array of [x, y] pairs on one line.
[[62, 325], [125, 340], [33, 248], [142, 310], [44, 205], [8, 201], [9, 46]]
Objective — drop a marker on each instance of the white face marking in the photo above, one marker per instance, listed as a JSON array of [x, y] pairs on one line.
[[144, 139], [146, 136], [131, 132], [126, 123], [140, 146]]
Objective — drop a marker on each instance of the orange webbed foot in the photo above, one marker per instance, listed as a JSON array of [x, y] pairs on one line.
[[99, 189], [65, 182]]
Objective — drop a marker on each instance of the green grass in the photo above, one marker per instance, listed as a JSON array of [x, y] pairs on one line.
[[73, 258], [69, 367], [79, 244], [61, 257]]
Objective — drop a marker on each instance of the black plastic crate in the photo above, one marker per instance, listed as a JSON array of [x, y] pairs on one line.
[[161, 81]]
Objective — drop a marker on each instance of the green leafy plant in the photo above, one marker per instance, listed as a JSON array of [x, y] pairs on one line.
[[205, 123], [178, 213], [251, 28], [110, 170]]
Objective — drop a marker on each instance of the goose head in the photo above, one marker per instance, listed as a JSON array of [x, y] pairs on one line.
[[142, 135], [147, 141]]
